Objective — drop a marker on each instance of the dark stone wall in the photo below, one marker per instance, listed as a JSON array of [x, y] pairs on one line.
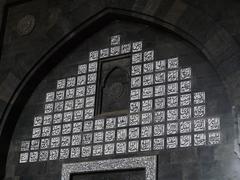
[[165, 45], [205, 33]]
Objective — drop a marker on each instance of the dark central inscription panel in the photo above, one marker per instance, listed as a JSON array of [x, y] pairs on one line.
[[137, 174], [114, 83]]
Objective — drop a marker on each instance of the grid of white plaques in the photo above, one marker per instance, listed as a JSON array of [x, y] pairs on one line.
[[162, 101], [164, 113]]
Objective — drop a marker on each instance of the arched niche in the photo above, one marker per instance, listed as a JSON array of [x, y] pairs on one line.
[[114, 86]]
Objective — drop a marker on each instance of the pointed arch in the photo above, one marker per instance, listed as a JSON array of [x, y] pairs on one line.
[[65, 45]]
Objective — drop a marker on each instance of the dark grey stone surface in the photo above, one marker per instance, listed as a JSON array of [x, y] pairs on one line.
[[118, 175], [204, 33]]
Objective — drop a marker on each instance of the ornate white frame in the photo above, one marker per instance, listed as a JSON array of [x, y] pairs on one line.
[[149, 163]]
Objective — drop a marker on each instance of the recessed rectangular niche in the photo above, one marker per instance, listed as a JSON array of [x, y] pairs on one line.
[[113, 86], [132, 174], [121, 168]]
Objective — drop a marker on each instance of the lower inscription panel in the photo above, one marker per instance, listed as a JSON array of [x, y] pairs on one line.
[[111, 168], [135, 174]]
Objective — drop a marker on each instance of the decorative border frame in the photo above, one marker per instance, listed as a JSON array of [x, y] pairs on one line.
[[149, 163]]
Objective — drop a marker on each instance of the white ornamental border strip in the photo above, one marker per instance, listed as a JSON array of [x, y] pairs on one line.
[[149, 163]]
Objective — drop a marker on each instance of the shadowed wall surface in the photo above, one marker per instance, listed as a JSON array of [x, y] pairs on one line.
[[58, 37]]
